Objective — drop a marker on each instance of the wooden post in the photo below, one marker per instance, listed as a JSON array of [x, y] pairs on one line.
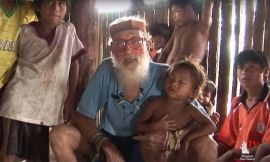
[[249, 23], [267, 30], [224, 63], [85, 18], [258, 30], [236, 38], [136, 7], [214, 43]]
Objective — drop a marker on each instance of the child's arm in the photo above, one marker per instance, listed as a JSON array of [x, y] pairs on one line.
[[209, 108], [145, 124], [167, 50], [207, 12], [70, 107], [207, 125]]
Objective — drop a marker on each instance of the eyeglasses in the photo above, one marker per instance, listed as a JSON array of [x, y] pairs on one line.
[[134, 42]]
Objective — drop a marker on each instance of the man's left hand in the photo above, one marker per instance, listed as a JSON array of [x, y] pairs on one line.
[[184, 146], [153, 141]]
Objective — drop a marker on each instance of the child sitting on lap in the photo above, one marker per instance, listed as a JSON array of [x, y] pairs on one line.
[[170, 113]]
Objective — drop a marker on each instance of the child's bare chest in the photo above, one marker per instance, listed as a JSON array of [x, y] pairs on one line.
[[181, 118]]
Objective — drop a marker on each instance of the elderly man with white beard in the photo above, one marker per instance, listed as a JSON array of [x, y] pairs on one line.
[[121, 85]]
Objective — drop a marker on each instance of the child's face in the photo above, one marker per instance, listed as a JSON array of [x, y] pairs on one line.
[[179, 14], [204, 98], [158, 42], [251, 74], [53, 11], [178, 84]]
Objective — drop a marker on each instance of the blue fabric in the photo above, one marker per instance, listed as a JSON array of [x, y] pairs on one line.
[[136, 155], [199, 106], [104, 91]]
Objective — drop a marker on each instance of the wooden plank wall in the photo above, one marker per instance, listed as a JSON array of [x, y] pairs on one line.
[[87, 28], [233, 30]]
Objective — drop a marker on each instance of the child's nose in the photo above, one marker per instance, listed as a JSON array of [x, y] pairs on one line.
[[55, 7]]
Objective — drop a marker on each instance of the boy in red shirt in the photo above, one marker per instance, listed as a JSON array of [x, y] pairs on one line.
[[248, 123]]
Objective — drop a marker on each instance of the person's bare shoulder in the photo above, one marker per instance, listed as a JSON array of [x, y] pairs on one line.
[[201, 27], [155, 102], [190, 108]]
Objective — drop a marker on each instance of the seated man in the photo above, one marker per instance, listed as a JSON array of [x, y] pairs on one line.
[[190, 35], [172, 112], [248, 123], [121, 86]]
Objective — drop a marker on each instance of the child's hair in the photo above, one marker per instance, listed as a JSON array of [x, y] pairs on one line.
[[210, 87], [197, 73], [196, 5], [37, 4], [251, 55], [161, 29]]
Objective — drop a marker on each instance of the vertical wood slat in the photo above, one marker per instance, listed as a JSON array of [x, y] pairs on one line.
[[224, 63], [150, 14], [214, 43], [249, 23], [259, 23], [236, 38], [267, 30], [88, 33]]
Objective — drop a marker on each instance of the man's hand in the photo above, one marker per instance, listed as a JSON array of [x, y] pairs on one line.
[[184, 146], [215, 117], [68, 112], [111, 152], [166, 125], [153, 141]]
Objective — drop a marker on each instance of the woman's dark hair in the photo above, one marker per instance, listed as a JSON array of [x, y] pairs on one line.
[[37, 4]]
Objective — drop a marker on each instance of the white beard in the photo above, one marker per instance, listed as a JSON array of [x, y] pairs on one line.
[[135, 75]]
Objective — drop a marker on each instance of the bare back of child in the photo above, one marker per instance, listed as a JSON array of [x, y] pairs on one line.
[[168, 115], [190, 35]]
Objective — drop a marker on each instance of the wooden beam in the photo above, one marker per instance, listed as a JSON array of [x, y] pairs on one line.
[[249, 23], [259, 22], [236, 38], [224, 61], [84, 16], [214, 43], [136, 7], [267, 30]]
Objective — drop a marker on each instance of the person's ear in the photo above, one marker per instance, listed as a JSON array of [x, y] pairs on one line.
[[266, 73]]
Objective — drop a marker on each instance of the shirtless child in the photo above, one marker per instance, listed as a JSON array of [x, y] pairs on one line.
[[190, 35], [169, 114]]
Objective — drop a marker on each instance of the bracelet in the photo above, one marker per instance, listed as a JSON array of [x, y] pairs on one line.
[[100, 143], [97, 140], [94, 136]]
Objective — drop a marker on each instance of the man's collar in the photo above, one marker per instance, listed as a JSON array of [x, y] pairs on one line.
[[262, 97]]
